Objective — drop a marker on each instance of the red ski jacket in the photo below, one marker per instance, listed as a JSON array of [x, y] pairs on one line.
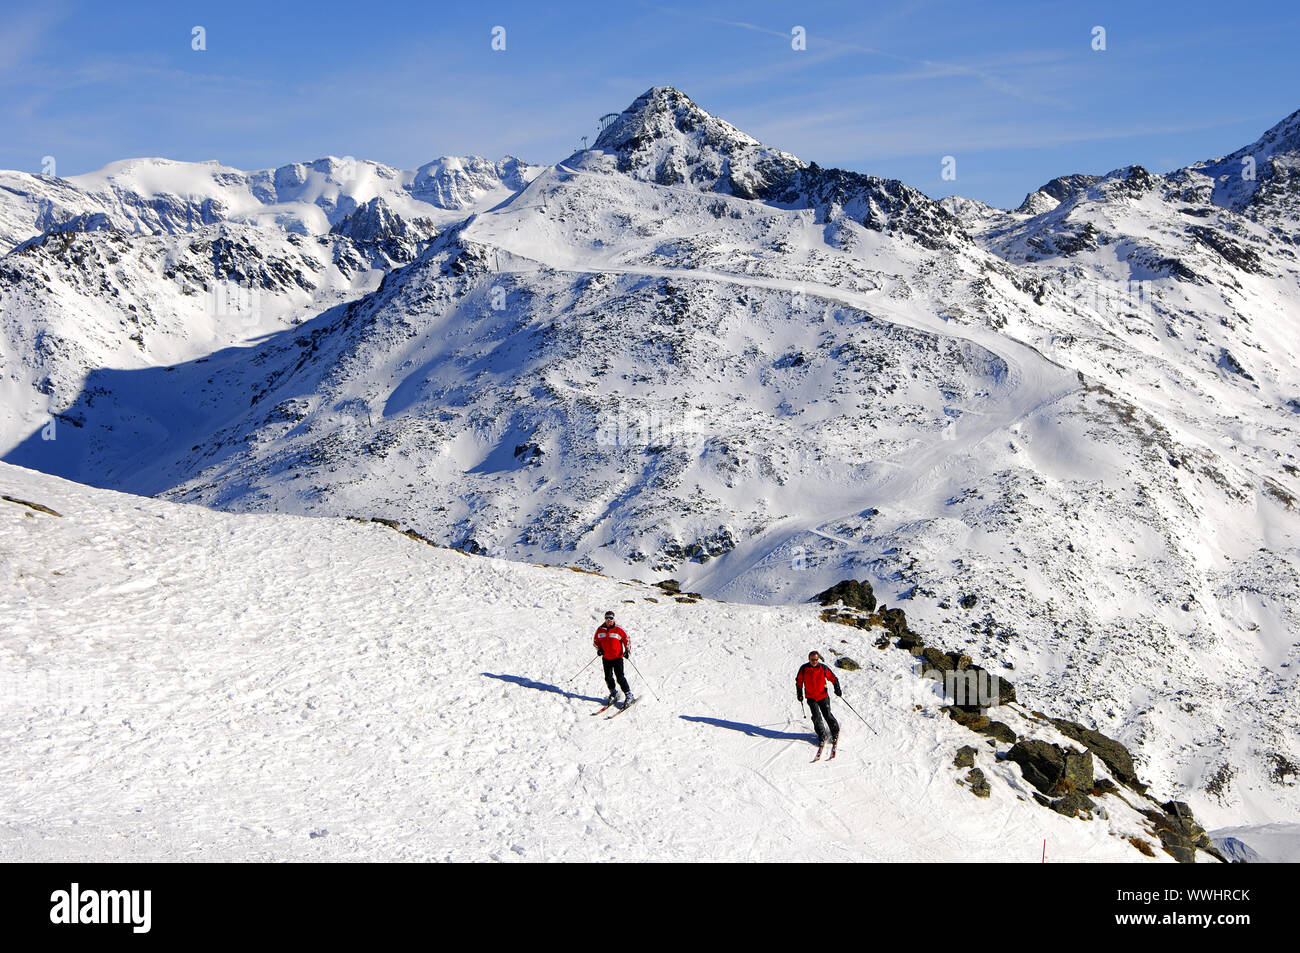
[[811, 681], [612, 641]]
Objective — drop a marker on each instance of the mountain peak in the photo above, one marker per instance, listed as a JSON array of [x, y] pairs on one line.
[[666, 138], [663, 112], [1260, 176]]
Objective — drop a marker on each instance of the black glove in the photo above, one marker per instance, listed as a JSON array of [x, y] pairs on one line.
[[627, 653], [838, 693], [599, 653], [799, 699]]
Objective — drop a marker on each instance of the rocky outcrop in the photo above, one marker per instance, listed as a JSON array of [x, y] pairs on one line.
[[979, 785], [1052, 769], [1180, 834], [1113, 754], [848, 592]]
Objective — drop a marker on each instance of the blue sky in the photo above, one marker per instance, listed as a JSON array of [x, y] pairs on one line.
[[1014, 91]]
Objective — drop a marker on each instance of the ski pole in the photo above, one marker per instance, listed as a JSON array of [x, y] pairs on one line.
[[855, 711], [581, 670], [642, 677]]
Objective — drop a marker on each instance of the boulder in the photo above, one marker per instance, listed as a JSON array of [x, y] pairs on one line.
[[910, 640], [1052, 769], [1073, 804], [979, 785], [848, 592], [1112, 754], [1078, 770], [972, 687], [968, 719], [1001, 732], [895, 620], [1002, 691], [981, 724], [936, 660], [965, 757], [847, 664]]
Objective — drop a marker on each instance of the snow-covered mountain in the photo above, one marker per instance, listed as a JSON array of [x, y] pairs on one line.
[[1063, 436], [150, 262], [148, 196]]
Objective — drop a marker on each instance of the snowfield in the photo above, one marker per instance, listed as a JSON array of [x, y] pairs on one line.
[[184, 684]]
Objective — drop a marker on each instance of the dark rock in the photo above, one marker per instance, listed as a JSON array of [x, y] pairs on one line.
[[937, 661], [1078, 770], [1052, 769], [38, 507], [895, 620], [1000, 731], [910, 640], [982, 724], [472, 546], [1072, 804], [979, 785], [965, 757], [1103, 787], [972, 720], [1112, 754], [848, 592], [1180, 834], [1002, 689], [669, 585], [847, 664], [1232, 252], [969, 601], [975, 688]]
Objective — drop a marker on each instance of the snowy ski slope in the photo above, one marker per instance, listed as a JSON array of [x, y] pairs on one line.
[[190, 685]]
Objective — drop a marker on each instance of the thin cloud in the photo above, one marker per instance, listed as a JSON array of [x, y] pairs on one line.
[[934, 68]]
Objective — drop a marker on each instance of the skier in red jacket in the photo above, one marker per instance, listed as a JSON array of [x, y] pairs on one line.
[[612, 646], [811, 681]]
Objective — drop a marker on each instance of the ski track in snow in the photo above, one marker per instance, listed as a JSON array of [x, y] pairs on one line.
[[279, 677]]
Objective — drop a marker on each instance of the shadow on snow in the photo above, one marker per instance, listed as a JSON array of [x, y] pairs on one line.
[[542, 687], [754, 731]]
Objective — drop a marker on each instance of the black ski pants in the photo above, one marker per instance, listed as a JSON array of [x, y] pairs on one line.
[[613, 670], [822, 709]]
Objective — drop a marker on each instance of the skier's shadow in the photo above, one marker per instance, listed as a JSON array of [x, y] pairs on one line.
[[542, 686], [754, 731]]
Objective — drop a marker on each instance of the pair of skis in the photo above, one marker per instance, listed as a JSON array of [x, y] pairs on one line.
[[822, 747], [602, 709]]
